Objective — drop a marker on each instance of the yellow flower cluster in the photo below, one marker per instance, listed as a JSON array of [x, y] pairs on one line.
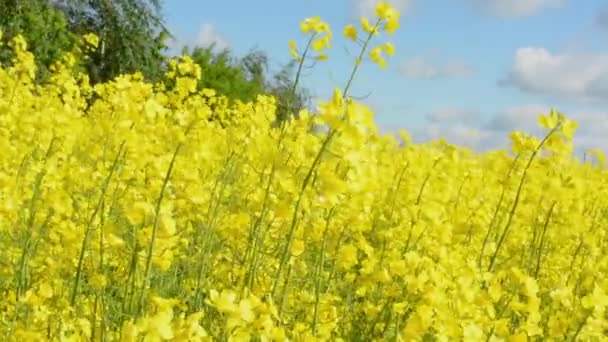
[[144, 221], [320, 39], [388, 20]]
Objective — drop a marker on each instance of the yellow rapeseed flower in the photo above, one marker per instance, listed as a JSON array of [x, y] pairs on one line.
[[375, 55], [347, 256], [310, 24], [92, 39], [293, 50], [321, 43], [350, 32], [367, 27], [389, 48], [459, 245]]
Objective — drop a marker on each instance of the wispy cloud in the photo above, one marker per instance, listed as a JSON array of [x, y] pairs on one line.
[[206, 36], [422, 68], [514, 8], [602, 18], [465, 127], [209, 35], [367, 7], [449, 115]]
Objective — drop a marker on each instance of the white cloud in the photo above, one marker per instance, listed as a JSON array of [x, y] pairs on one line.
[[204, 37], [464, 127], [419, 68], [367, 8], [591, 132], [514, 8], [208, 35], [592, 129], [458, 134], [452, 114], [521, 118], [457, 69], [460, 126], [501, 8], [602, 18], [175, 44], [423, 68], [578, 75]]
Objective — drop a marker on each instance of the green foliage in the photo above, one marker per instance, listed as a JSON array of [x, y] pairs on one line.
[[245, 78], [290, 100], [233, 78], [132, 38], [43, 26], [131, 32]]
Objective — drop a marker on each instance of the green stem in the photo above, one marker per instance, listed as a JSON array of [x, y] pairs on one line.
[[297, 78], [317, 160], [21, 274], [285, 288], [418, 200], [542, 240], [360, 58], [517, 197], [155, 230], [252, 244], [89, 228], [294, 219], [495, 216], [211, 217], [319, 273]]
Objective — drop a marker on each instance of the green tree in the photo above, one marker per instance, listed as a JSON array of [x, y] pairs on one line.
[[45, 29], [132, 38], [229, 76], [132, 35], [245, 78], [290, 100]]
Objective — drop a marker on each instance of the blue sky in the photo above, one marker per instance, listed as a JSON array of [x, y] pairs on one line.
[[467, 70]]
